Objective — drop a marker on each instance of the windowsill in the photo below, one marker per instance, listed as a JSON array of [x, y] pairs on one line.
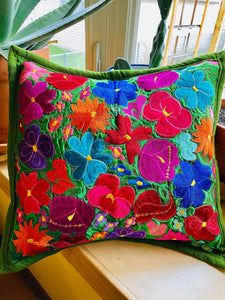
[[121, 270]]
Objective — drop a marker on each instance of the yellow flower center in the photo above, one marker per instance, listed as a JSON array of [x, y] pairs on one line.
[[54, 123], [65, 77], [43, 219], [70, 217], [195, 88], [100, 218], [30, 241], [66, 96], [32, 99], [110, 196], [166, 114], [89, 157], [67, 131], [121, 170], [28, 193], [174, 239], [117, 90], [209, 137], [127, 137], [93, 113], [84, 93], [116, 152], [34, 147], [139, 183], [204, 224], [193, 183]]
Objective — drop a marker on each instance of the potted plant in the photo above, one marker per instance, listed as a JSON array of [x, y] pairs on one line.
[[34, 36]]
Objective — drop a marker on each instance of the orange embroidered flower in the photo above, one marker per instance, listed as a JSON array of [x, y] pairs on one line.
[[90, 114], [204, 137], [30, 240]]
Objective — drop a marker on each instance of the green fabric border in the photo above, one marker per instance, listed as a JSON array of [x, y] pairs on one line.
[[15, 54]]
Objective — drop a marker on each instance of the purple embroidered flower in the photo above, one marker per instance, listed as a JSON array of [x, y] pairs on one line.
[[43, 220], [33, 71], [158, 159], [85, 93], [99, 219], [157, 80], [35, 148], [135, 108], [34, 100], [110, 225], [126, 232]]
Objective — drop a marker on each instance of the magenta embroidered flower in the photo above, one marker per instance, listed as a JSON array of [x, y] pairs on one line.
[[33, 71], [35, 100], [171, 117], [67, 96], [67, 131], [157, 80], [85, 93], [135, 108], [174, 236], [59, 106], [117, 152], [158, 159], [19, 215]]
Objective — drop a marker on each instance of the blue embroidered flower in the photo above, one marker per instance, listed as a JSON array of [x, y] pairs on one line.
[[191, 183], [119, 92], [121, 170], [139, 182], [86, 158], [186, 146], [194, 89]]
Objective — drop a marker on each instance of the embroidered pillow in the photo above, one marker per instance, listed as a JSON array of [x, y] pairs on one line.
[[124, 154]]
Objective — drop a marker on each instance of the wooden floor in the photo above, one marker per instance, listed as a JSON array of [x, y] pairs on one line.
[[20, 286]]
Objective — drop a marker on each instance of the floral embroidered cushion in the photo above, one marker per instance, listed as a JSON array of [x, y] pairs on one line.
[[121, 154]]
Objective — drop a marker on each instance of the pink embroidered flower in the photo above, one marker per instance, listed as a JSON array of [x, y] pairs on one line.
[[174, 236], [35, 100], [110, 198], [85, 93], [117, 152], [60, 106], [157, 80], [67, 96], [135, 108], [155, 229], [130, 222], [19, 215], [33, 71], [54, 123], [67, 131], [171, 117], [158, 159]]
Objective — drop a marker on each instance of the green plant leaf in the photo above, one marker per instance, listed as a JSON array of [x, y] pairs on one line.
[[48, 19], [44, 33], [6, 18], [122, 64], [22, 11]]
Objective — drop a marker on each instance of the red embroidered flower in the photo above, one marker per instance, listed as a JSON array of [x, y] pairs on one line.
[[65, 82], [30, 240], [203, 225], [59, 177], [54, 123], [32, 192], [171, 117], [126, 135], [149, 205], [110, 198]]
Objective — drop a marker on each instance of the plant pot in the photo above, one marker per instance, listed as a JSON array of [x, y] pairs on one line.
[[4, 97]]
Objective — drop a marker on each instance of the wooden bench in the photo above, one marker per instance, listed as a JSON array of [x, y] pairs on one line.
[[121, 270]]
